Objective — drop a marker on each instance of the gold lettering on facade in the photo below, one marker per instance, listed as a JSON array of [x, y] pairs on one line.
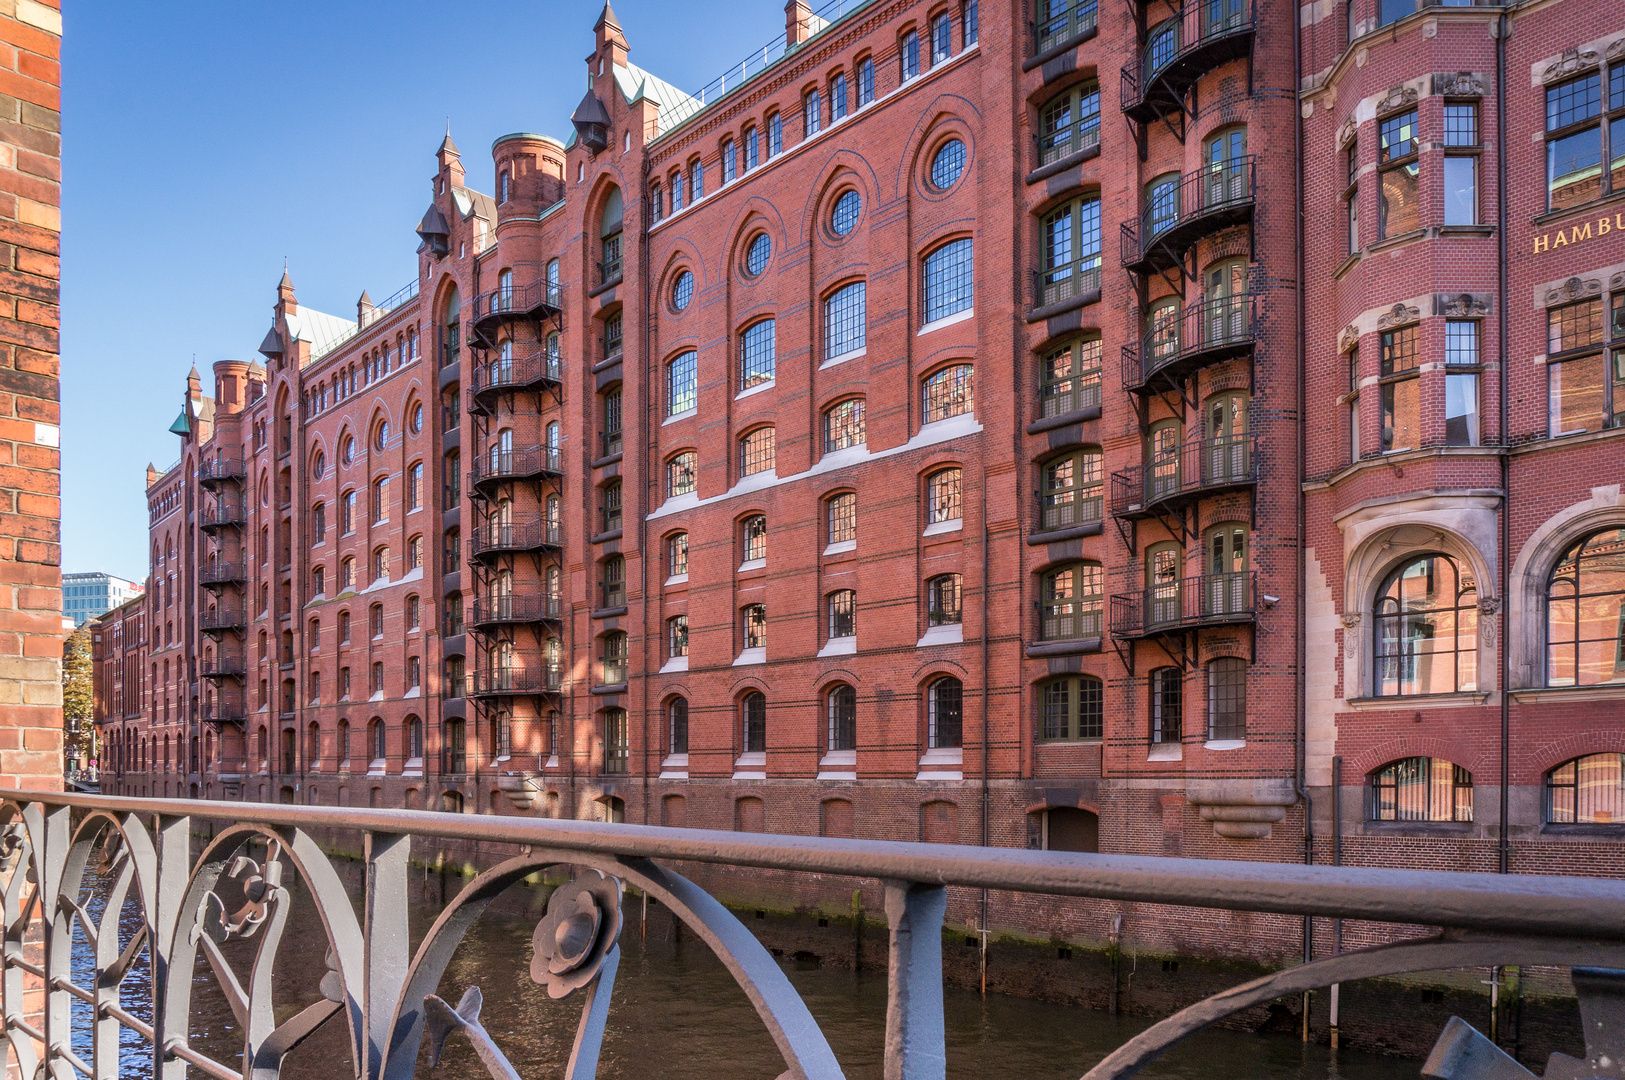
[[1540, 244], [1573, 234]]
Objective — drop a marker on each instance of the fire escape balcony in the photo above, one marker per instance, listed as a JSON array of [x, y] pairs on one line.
[[540, 370], [220, 573], [513, 610], [220, 468], [222, 619], [224, 514], [222, 711], [1177, 606], [516, 680], [505, 537], [1196, 470], [224, 667], [507, 303], [1203, 203], [523, 463], [1204, 333], [1180, 50]]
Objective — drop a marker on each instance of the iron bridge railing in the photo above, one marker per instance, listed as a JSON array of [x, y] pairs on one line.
[[71, 866]]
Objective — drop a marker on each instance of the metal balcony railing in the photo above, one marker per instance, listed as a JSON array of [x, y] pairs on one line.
[[1069, 508], [223, 573], [1058, 284], [220, 467], [1062, 21], [534, 369], [1194, 470], [522, 463], [222, 618], [1210, 599], [1180, 50], [1072, 139], [1203, 202], [526, 608], [1070, 620], [225, 512], [1208, 331], [224, 667], [609, 270], [272, 850], [517, 681], [537, 298], [225, 712], [530, 535]]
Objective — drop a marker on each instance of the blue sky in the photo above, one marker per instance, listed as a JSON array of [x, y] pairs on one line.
[[206, 141]]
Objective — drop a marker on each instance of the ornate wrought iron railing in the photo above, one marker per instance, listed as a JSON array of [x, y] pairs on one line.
[[69, 864]]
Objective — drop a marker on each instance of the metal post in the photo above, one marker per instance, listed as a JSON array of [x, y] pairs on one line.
[[387, 947], [915, 1032]]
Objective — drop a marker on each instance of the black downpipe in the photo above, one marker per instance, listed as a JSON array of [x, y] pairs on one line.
[[1300, 732], [1501, 351]]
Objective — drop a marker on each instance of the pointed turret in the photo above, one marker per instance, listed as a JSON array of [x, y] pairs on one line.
[[363, 309], [612, 47]]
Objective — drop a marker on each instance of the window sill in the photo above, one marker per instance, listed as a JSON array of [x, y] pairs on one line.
[[677, 579], [1431, 701], [677, 417], [933, 764], [841, 646], [605, 287], [1050, 423], [1061, 165], [612, 688], [1577, 211], [674, 767], [607, 459], [951, 634], [1416, 828], [1396, 241], [1347, 264], [752, 564], [843, 358], [1224, 744], [757, 389], [676, 663], [1049, 311], [1467, 230], [610, 612], [950, 525], [611, 361], [838, 765], [751, 656], [1040, 59], [946, 320], [1584, 831], [751, 766], [1166, 752], [1074, 647], [841, 546], [604, 537], [1055, 536], [1546, 694]]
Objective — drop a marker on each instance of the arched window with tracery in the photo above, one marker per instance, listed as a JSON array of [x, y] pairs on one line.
[[1421, 789], [1426, 629], [1585, 613]]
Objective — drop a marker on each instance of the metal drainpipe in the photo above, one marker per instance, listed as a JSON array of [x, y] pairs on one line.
[[1501, 351], [1337, 860], [643, 519], [1300, 733]]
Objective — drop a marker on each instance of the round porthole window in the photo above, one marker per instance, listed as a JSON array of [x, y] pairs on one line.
[[682, 291], [948, 164], [347, 449], [318, 467], [417, 418], [844, 218], [758, 254], [382, 440]]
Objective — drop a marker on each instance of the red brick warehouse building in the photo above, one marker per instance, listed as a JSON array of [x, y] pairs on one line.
[[924, 435]]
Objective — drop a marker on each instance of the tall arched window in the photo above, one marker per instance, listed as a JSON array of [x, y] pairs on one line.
[[1073, 708], [1426, 629], [680, 474], [945, 713], [1071, 378], [844, 320], [844, 426], [1588, 790], [753, 723], [612, 666], [756, 451], [950, 279], [756, 354], [379, 746], [1070, 122], [1073, 484], [754, 538], [1071, 251], [1421, 789], [682, 383], [1072, 599], [948, 393], [609, 237], [842, 705], [677, 725], [451, 332], [1585, 613]]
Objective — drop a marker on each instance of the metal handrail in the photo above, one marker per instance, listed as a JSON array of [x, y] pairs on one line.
[[1205, 325], [221, 466], [1202, 193], [532, 678], [518, 463], [517, 608], [516, 535], [1073, 139], [516, 371], [224, 512], [222, 618], [1193, 601], [222, 573], [1195, 466], [1189, 31], [519, 299]]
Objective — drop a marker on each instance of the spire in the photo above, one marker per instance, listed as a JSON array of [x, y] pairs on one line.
[[606, 18], [449, 147]]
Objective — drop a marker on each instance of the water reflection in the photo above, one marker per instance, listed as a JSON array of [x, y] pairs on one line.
[[678, 1015]]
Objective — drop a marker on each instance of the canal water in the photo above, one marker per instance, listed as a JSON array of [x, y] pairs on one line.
[[678, 1015]]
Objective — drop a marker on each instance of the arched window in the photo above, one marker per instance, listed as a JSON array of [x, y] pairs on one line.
[[414, 737], [609, 237], [1074, 708], [1161, 205], [343, 749], [753, 533], [677, 555], [612, 665], [841, 513], [1071, 251], [1073, 484], [677, 636], [845, 315], [842, 606], [1588, 790], [617, 741], [680, 474], [379, 748], [843, 426], [677, 725], [756, 354], [753, 621], [1426, 629], [945, 713], [756, 451], [1167, 705], [729, 161], [1227, 699], [948, 393], [1421, 789], [942, 600], [1071, 378], [943, 502], [613, 593], [842, 703], [753, 723], [949, 279], [503, 300], [609, 507], [1072, 598], [1585, 613], [908, 56], [1070, 123]]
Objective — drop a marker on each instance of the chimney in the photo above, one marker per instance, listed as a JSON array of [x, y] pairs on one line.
[[363, 309], [797, 23]]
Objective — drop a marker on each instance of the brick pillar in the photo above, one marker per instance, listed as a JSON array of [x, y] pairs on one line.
[[30, 478]]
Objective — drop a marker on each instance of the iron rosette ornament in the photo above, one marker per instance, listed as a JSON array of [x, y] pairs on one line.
[[582, 924]]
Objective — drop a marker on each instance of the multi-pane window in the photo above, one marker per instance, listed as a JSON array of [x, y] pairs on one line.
[[414, 553], [908, 56], [1069, 124], [949, 280], [969, 20], [752, 149], [657, 209], [945, 713], [1071, 251], [947, 164], [775, 135], [1460, 163], [380, 564], [837, 97], [612, 592], [682, 381], [948, 393], [842, 513], [1072, 490], [843, 425], [1426, 629], [612, 659], [1059, 21], [1074, 708], [1167, 705], [845, 310], [677, 555], [843, 718], [943, 600], [842, 606], [1354, 404], [380, 500], [680, 474], [844, 217], [1401, 390], [812, 110], [696, 181], [1585, 613], [347, 512], [1227, 699], [753, 623], [1071, 600], [1399, 203], [1586, 382], [609, 507], [682, 290], [414, 486], [1351, 196], [866, 81], [1421, 789], [1071, 378], [1462, 365], [1589, 790], [1585, 138], [942, 496], [677, 725], [612, 422], [756, 354], [617, 741], [754, 538], [753, 723], [728, 161], [756, 451], [676, 191], [941, 39], [677, 636]]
